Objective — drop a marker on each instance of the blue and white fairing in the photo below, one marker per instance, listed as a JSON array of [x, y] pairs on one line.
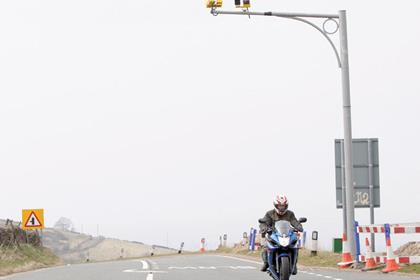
[[282, 237], [283, 242]]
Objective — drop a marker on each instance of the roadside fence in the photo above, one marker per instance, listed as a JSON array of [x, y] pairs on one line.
[[11, 235]]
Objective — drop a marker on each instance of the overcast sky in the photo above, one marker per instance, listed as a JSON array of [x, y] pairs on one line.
[[155, 119]]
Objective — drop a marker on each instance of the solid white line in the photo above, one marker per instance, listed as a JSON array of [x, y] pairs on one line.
[[149, 276], [145, 265]]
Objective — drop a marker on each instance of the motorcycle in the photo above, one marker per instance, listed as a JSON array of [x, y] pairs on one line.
[[282, 250]]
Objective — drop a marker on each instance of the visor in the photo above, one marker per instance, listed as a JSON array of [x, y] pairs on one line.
[[281, 208]]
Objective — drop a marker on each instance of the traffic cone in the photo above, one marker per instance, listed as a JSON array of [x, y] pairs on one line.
[[391, 263], [370, 260], [347, 259]]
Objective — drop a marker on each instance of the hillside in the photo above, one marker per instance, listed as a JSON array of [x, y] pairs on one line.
[[74, 247]]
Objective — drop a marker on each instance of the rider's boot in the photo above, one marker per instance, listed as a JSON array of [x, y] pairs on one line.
[[294, 272], [264, 267], [264, 258]]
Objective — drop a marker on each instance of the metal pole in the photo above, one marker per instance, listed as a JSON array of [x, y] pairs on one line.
[[343, 187], [348, 156], [371, 202]]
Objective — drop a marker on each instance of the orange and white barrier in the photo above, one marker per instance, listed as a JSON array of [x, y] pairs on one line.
[[389, 258], [391, 263]]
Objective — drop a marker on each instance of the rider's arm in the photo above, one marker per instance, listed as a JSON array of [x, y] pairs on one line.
[[295, 223], [265, 224]]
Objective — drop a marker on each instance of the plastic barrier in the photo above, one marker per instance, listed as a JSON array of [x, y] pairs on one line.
[[390, 259]]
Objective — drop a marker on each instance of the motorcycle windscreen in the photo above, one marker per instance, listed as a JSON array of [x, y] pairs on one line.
[[282, 227]]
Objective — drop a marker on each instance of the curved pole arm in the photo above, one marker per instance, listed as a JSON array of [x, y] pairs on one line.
[[324, 34], [294, 16]]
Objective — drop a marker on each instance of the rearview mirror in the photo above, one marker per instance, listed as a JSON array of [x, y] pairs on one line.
[[302, 220]]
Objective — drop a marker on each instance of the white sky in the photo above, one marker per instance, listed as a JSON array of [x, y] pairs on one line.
[[153, 117]]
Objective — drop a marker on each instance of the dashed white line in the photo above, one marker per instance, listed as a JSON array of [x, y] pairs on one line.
[[207, 267], [143, 271], [240, 259], [149, 276], [303, 271]]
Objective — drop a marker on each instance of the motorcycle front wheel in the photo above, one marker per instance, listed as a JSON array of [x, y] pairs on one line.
[[285, 268]]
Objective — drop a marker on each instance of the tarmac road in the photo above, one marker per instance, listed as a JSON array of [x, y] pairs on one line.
[[189, 267]]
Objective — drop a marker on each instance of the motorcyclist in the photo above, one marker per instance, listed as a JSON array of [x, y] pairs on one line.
[[279, 213]]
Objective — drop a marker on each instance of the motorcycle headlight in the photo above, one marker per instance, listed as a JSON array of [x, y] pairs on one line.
[[284, 241]]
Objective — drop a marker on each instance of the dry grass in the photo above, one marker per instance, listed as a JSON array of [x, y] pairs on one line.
[[24, 258], [322, 259]]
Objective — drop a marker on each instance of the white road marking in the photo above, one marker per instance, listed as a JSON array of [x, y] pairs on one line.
[[149, 276], [184, 267], [239, 259], [242, 267], [145, 264], [210, 267], [257, 262], [207, 267], [143, 271], [320, 275]]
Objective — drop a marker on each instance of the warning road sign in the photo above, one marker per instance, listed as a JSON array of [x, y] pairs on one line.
[[32, 219]]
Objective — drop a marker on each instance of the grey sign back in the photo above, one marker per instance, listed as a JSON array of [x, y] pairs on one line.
[[365, 172]]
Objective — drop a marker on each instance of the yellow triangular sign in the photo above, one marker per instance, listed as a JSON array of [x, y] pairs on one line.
[[33, 221]]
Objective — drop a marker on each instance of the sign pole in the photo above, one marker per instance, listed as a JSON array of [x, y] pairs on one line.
[[371, 195], [348, 145]]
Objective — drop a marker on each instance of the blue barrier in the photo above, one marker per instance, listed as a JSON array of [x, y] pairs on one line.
[[357, 240]]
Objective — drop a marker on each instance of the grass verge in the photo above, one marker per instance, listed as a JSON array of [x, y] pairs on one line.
[[25, 258], [412, 268]]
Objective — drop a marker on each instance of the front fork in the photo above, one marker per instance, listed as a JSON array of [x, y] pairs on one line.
[[273, 257]]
